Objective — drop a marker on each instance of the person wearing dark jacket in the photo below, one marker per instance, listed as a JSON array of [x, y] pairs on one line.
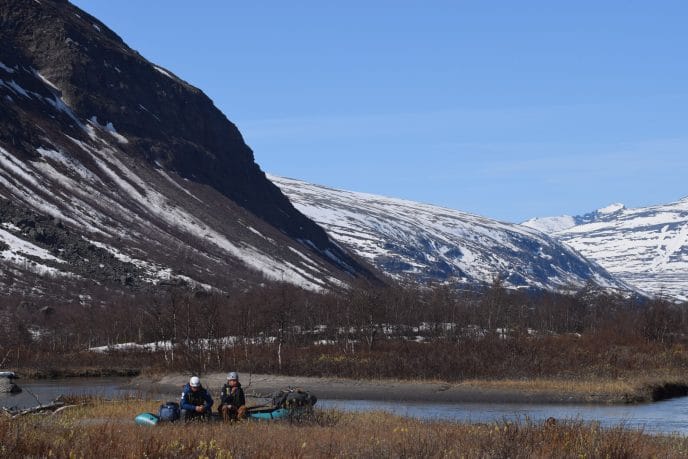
[[232, 399], [196, 402]]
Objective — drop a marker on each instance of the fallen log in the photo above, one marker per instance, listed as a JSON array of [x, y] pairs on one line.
[[35, 409], [66, 407]]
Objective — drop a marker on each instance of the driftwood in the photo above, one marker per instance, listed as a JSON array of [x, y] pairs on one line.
[[66, 407], [53, 407]]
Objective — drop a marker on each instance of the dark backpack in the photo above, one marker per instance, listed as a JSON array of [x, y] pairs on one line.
[[169, 412], [292, 398]]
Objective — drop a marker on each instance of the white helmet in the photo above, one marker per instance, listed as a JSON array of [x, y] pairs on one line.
[[233, 375], [195, 381]]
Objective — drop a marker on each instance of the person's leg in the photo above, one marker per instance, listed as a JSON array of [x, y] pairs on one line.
[[241, 412], [187, 415], [224, 412]]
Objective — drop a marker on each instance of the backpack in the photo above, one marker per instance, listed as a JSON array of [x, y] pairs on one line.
[[169, 412], [291, 398]]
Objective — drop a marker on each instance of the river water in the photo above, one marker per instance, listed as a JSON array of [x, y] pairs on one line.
[[669, 416]]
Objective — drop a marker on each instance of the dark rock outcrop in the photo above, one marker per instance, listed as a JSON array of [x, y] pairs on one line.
[[113, 150]]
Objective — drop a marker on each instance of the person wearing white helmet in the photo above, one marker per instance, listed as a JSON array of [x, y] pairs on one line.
[[196, 402], [232, 399]]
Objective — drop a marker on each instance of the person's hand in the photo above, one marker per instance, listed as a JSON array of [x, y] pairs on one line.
[[200, 409]]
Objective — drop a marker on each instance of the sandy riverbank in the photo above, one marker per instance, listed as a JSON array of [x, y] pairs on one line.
[[506, 391]]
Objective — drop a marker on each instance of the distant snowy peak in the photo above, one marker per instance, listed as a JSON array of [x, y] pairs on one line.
[[647, 247], [612, 208], [553, 225], [420, 242]]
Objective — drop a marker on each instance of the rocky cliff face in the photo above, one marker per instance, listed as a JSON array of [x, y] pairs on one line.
[[97, 142]]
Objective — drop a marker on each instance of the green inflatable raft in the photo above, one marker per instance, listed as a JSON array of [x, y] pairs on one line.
[[255, 413], [290, 403]]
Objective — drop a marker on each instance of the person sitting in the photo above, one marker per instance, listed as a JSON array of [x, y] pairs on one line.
[[196, 402], [232, 399]]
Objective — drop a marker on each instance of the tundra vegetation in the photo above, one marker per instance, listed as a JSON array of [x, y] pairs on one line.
[[408, 332], [97, 428]]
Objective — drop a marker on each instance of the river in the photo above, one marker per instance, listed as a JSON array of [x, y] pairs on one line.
[[669, 416]]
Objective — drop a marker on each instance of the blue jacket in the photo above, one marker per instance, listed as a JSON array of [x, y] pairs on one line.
[[190, 400]]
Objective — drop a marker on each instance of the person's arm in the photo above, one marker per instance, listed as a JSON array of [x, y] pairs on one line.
[[241, 400], [208, 401], [184, 403], [224, 399]]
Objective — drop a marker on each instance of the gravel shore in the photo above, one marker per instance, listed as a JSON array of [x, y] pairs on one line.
[[379, 390]]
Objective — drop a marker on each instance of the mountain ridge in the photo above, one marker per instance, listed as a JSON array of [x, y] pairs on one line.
[[131, 158], [427, 243], [646, 246]]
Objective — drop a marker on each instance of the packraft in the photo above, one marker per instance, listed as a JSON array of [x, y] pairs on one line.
[[146, 419], [290, 404], [168, 412]]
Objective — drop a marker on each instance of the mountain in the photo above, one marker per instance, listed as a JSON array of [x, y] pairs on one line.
[[646, 247], [410, 240], [552, 225], [116, 171]]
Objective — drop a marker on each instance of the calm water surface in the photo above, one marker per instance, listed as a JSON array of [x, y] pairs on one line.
[[47, 390], [670, 416]]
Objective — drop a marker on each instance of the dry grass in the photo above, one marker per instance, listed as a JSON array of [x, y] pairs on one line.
[[632, 389], [601, 389], [103, 429]]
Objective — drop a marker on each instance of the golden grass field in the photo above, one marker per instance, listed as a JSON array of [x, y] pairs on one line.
[[101, 429]]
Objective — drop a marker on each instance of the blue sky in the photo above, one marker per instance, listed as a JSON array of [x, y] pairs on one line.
[[505, 109]]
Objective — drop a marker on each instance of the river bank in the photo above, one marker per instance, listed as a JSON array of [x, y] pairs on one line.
[[554, 391], [78, 372], [96, 428], [624, 390]]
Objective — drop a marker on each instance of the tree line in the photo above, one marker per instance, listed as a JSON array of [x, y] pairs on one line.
[[389, 331]]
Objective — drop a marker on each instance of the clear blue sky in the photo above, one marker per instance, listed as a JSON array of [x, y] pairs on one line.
[[508, 109]]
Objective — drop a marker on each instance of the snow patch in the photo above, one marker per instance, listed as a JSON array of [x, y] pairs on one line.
[[610, 209], [175, 184], [60, 158], [164, 72], [16, 168], [148, 111], [16, 88], [45, 80], [550, 225], [18, 246], [6, 68], [109, 128]]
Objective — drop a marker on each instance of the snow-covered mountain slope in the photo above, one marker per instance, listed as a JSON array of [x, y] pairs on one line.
[[116, 171], [552, 225], [410, 240], [646, 247]]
